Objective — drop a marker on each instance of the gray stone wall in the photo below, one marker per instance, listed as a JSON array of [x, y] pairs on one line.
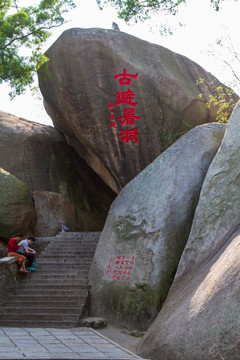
[[9, 278]]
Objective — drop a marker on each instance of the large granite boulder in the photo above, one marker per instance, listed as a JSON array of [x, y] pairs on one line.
[[98, 83], [40, 157], [16, 206], [200, 319], [147, 228], [51, 211]]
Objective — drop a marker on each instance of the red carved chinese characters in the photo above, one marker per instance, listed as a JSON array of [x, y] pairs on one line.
[[126, 97], [129, 117], [129, 135], [112, 107], [125, 79], [120, 267]]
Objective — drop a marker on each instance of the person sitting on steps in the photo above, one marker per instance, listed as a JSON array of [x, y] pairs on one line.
[[12, 248], [28, 252]]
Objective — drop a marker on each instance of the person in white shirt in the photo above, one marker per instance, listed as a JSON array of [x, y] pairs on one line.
[[30, 253]]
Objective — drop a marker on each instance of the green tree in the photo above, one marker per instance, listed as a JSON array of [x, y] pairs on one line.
[[142, 9], [220, 97], [23, 30]]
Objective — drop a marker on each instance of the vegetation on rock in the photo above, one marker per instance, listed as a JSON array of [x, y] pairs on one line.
[[219, 97]]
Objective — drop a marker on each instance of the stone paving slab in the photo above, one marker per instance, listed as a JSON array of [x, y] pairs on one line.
[[48, 343]]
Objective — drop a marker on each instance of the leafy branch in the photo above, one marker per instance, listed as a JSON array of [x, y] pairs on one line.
[[142, 9], [220, 98], [23, 30]]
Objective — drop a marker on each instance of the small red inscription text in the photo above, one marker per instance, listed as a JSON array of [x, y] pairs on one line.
[[120, 267]]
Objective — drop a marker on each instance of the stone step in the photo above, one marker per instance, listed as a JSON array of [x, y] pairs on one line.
[[71, 240], [58, 280], [79, 234], [45, 298], [55, 291], [41, 316], [40, 323], [41, 309], [61, 283], [68, 253], [69, 249], [56, 287], [55, 270], [66, 267], [68, 236], [53, 285], [39, 275], [54, 259], [72, 245], [63, 267], [22, 303], [62, 260], [65, 262], [83, 265], [76, 235]]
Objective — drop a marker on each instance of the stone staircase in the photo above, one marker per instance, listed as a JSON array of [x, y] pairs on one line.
[[56, 294]]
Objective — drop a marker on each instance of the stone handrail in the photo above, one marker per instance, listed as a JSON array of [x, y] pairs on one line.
[[8, 260]]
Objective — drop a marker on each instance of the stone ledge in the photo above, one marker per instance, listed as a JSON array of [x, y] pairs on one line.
[[8, 260], [9, 278]]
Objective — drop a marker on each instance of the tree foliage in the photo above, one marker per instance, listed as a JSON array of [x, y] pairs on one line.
[[23, 30], [219, 97], [142, 9]]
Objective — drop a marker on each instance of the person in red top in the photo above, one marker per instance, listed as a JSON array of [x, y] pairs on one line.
[[12, 247]]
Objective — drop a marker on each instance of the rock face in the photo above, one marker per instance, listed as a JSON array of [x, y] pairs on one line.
[[40, 157], [151, 82], [51, 211], [200, 319], [147, 228], [217, 213], [16, 210]]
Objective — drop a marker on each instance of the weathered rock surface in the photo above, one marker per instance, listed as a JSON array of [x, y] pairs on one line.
[[16, 209], [9, 275], [40, 157], [200, 319], [78, 86], [51, 211], [217, 213], [95, 323], [148, 226]]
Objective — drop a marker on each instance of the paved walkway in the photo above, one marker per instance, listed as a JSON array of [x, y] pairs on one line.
[[48, 343]]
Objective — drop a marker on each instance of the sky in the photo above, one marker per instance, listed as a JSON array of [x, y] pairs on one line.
[[196, 28]]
